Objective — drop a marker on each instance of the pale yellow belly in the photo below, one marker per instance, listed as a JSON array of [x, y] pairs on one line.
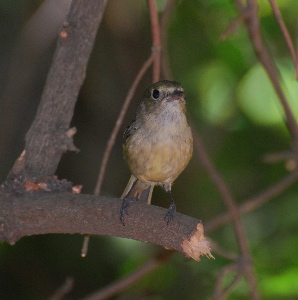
[[158, 162]]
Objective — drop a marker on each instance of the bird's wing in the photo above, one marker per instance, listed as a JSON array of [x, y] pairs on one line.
[[130, 129]]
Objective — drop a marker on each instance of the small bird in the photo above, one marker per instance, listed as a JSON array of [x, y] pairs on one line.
[[159, 144]]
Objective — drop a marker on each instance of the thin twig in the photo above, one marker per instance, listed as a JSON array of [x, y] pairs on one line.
[[63, 290], [155, 58], [132, 278], [233, 26], [285, 32], [254, 30], [253, 27], [119, 122], [234, 213], [164, 23], [219, 293], [156, 46], [85, 245], [274, 191], [254, 202]]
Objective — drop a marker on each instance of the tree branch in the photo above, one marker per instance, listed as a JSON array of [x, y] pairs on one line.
[[285, 32], [48, 136], [234, 214], [253, 203], [254, 31], [123, 283], [153, 58], [44, 213], [156, 47], [164, 24], [63, 290], [119, 122]]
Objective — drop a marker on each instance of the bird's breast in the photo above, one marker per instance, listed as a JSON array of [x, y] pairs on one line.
[[159, 149]]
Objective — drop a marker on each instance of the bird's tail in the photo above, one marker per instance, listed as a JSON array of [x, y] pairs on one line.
[[137, 189]]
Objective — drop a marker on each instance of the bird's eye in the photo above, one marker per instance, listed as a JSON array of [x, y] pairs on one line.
[[155, 94]]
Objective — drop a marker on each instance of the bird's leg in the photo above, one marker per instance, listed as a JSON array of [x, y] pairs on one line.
[[146, 194], [126, 202], [172, 209]]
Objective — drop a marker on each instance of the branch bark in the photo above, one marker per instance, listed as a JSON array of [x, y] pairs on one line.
[[48, 137], [44, 213]]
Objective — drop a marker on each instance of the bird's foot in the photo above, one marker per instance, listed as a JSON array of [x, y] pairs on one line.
[[170, 213], [123, 210]]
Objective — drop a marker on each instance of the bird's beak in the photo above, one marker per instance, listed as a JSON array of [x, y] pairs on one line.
[[177, 95]]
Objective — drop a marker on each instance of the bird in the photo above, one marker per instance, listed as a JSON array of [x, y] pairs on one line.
[[158, 144]]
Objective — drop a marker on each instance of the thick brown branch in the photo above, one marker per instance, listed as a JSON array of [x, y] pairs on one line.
[[44, 213], [47, 138]]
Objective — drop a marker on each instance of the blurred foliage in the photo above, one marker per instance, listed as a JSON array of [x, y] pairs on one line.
[[232, 105]]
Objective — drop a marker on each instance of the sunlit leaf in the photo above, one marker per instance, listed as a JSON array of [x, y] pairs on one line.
[[215, 84], [258, 99]]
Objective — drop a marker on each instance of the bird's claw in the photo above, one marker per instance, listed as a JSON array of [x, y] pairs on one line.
[[170, 213], [124, 206]]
